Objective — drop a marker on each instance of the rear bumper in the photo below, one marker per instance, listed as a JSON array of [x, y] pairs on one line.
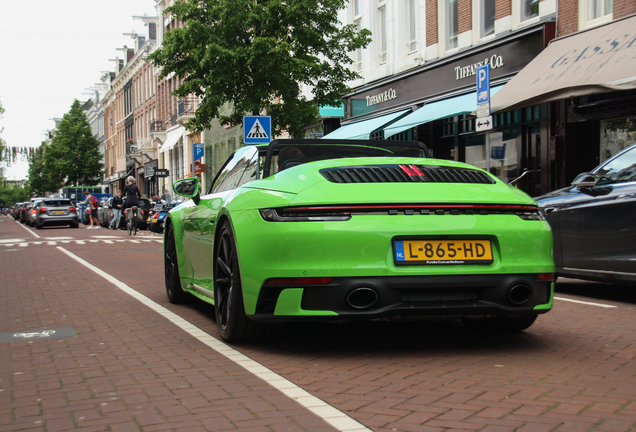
[[57, 220], [379, 297]]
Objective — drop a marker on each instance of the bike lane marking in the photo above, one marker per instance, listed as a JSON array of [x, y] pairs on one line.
[[330, 414], [31, 232], [585, 303]]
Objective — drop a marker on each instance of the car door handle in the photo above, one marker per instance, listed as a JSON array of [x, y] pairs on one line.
[[548, 210]]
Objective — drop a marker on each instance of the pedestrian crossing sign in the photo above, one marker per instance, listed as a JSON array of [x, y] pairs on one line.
[[257, 129]]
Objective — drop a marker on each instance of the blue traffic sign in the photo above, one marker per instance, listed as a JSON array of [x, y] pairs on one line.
[[257, 129], [198, 151], [483, 90]]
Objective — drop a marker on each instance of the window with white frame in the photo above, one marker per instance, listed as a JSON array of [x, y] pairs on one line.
[[599, 8], [452, 24], [357, 56], [595, 12], [411, 37], [529, 9], [382, 41], [487, 12]]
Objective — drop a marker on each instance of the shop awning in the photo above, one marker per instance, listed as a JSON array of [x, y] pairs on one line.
[[457, 105], [362, 129], [598, 60], [172, 137]]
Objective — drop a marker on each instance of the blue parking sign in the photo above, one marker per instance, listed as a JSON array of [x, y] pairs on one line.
[[198, 151], [257, 129], [483, 90]]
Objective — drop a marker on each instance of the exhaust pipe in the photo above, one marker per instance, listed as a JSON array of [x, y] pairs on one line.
[[362, 298], [519, 294]]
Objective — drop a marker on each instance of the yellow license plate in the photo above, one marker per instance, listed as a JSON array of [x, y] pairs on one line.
[[440, 252], [58, 211]]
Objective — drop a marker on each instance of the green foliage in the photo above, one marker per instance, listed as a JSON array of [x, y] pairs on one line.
[[40, 179], [257, 53], [73, 157], [9, 195]]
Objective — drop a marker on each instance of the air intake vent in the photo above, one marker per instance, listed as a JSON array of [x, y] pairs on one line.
[[404, 174]]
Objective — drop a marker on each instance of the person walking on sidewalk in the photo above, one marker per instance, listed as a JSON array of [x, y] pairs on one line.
[[117, 205], [92, 217]]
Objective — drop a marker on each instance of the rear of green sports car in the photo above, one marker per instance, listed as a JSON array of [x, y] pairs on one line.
[[357, 238], [360, 239]]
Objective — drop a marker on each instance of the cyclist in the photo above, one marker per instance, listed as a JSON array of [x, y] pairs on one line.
[[131, 193]]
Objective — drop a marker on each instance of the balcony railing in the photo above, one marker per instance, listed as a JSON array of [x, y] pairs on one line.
[[173, 119], [156, 126], [186, 106], [131, 147]]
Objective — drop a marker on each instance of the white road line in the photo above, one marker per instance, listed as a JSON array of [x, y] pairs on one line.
[[23, 244], [11, 240], [32, 233], [585, 303], [331, 415]]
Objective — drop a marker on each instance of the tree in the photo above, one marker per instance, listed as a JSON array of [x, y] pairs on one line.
[[40, 179], [73, 157], [256, 54]]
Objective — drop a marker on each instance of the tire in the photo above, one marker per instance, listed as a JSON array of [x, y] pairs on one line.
[[134, 224], [233, 323], [174, 291], [500, 324], [75, 225], [38, 226]]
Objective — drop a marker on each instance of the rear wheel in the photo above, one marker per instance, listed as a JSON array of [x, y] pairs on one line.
[[228, 292], [500, 324], [174, 291]]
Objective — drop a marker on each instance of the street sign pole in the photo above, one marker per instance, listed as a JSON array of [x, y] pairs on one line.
[[484, 119]]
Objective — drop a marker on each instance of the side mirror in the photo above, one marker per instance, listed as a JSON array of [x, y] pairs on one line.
[[188, 187], [584, 180]]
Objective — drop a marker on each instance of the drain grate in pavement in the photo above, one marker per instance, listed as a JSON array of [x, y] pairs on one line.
[[37, 334]]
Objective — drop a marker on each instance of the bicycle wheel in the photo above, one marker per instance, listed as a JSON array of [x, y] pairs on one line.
[[134, 224], [128, 224]]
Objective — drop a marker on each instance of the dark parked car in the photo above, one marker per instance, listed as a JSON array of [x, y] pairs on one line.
[[593, 222], [56, 212], [16, 210], [23, 212]]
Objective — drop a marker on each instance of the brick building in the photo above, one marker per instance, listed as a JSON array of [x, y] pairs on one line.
[[418, 82]]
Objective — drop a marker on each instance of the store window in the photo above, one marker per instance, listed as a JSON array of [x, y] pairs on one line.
[[452, 24], [487, 13], [616, 135], [356, 19], [599, 8]]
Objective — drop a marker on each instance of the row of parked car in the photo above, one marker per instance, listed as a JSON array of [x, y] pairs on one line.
[[40, 212]]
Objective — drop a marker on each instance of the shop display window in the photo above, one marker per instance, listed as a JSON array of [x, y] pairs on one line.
[[616, 135]]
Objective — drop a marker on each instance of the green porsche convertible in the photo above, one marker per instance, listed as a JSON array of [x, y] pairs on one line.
[[357, 230]]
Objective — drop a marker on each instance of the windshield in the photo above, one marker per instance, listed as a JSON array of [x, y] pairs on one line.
[[619, 170], [283, 154]]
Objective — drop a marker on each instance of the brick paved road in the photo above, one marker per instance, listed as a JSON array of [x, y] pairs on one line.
[[573, 370]]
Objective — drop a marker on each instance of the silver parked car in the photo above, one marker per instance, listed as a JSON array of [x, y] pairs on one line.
[[32, 209], [56, 212]]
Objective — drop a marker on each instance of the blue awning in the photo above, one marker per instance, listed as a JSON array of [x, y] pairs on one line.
[[457, 105], [362, 129]]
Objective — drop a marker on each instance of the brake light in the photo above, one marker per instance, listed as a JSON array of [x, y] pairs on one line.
[[33, 211], [72, 209], [546, 276], [43, 209]]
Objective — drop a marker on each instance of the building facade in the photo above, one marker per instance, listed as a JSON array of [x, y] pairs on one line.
[[418, 82]]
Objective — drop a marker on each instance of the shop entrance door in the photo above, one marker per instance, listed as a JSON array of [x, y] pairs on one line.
[[531, 161]]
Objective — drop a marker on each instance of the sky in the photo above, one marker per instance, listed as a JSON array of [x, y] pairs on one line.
[[53, 52]]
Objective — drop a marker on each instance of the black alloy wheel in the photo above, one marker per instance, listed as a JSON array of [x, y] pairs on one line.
[[231, 320], [174, 291]]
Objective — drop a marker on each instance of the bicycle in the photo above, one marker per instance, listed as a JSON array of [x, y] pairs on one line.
[[131, 220]]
